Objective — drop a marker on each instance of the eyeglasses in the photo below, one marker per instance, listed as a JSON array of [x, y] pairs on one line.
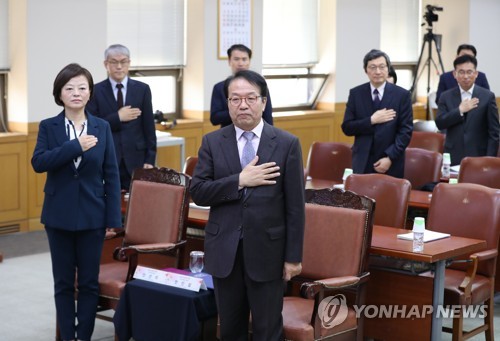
[[236, 101], [465, 72], [123, 62], [381, 67]]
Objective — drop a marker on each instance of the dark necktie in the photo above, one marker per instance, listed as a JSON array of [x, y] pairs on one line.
[[376, 100], [248, 152], [119, 96]]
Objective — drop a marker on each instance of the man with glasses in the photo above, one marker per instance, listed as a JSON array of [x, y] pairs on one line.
[[380, 117], [469, 114], [238, 58], [126, 104], [251, 175], [447, 80]]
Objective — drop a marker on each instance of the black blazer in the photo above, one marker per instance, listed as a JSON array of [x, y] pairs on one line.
[[135, 141], [380, 140], [476, 133], [87, 197]]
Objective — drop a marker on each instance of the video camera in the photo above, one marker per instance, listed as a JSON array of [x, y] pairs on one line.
[[430, 16]]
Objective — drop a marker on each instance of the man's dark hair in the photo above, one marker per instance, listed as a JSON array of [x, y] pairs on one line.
[[393, 74], [251, 77], [374, 54], [464, 59], [467, 47], [65, 75], [239, 47]]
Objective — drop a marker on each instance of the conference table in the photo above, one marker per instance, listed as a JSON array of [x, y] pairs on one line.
[[386, 244]]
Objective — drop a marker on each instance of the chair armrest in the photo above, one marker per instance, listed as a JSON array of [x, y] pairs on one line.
[[475, 258], [311, 289], [125, 252]]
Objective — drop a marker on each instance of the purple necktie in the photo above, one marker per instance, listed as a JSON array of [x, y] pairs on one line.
[[248, 151]]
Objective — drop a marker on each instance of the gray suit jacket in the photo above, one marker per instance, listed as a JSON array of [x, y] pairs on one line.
[[473, 134], [270, 219]]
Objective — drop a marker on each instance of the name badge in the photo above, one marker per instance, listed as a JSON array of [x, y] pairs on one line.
[[169, 278]]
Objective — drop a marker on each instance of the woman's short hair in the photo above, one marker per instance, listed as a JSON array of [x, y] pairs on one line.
[[65, 75]]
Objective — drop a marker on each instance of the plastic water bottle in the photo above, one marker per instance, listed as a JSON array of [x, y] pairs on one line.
[[347, 172], [445, 170], [418, 234]]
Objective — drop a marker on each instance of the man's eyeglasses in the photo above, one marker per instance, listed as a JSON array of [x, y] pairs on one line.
[[465, 72], [236, 101], [381, 67], [123, 62]]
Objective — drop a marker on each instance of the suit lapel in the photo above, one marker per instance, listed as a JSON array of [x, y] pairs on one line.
[[59, 129], [109, 95], [267, 146], [92, 129], [386, 100], [229, 148]]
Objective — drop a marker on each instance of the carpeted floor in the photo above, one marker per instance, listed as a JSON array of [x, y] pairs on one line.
[[27, 309]]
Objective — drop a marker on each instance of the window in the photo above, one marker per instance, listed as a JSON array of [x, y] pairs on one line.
[[155, 34], [3, 102], [290, 50], [165, 87]]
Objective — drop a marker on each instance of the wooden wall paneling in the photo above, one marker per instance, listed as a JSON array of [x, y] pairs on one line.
[[13, 182]]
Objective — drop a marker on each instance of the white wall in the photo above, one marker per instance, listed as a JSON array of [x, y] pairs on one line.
[[358, 31], [484, 31], [50, 35]]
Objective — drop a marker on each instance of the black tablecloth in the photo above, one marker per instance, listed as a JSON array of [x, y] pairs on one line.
[[153, 312]]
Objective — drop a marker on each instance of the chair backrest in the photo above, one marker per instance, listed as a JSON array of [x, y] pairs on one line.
[[337, 235], [327, 160], [158, 207], [390, 193], [422, 166], [467, 210], [189, 165], [484, 170], [427, 140], [423, 125]]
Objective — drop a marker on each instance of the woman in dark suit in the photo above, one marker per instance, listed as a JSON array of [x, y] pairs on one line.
[[82, 198]]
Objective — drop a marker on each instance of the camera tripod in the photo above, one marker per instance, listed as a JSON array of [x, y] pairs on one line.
[[429, 37]]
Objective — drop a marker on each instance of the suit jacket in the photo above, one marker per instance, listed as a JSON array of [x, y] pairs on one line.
[[87, 197], [373, 142], [473, 134], [219, 113], [270, 219], [447, 81], [135, 141]]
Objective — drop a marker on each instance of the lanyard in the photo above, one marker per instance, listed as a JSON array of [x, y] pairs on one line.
[[78, 159]]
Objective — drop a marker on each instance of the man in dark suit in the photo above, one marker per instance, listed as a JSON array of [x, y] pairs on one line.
[[238, 57], [469, 114], [126, 104], [254, 235], [380, 117], [447, 80]]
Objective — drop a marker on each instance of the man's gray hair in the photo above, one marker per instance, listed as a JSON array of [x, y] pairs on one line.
[[116, 49], [374, 54]]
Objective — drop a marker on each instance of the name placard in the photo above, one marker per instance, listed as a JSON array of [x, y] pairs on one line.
[[169, 278]]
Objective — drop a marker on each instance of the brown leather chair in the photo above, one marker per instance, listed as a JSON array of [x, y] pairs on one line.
[[337, 239], [427, 140], [327, 160], [484, 170], [155, 223], [424, 125], [476, 214], [422, 166], [189, 165], [390, 193]]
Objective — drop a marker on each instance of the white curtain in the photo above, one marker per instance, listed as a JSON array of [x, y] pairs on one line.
[[153, 30]]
